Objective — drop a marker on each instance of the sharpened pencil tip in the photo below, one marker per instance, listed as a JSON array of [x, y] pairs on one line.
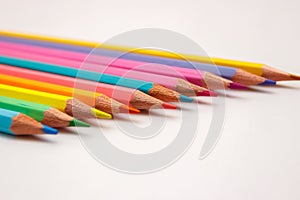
[[134, 111], [168, 106], [268, 82], [77, 122], [207, 93], [101, 114], [49, 130], [295, 77], [238, 86], [185, 98], [127, 109]]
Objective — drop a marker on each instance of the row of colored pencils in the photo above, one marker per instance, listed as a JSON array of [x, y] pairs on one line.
[[48, 83]]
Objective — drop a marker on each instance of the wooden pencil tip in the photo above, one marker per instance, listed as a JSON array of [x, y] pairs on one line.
[[295, 77]]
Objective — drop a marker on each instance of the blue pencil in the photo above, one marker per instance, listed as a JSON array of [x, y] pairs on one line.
[[230, 73], [150, 88], [15, 123]]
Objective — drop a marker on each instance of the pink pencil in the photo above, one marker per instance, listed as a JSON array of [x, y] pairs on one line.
[[173, 83], [197, 77]]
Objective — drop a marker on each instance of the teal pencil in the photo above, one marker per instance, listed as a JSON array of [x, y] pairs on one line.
[[15, 123], [150, 88]]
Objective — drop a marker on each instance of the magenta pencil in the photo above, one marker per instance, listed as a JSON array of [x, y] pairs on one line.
[[173, 83], [200, 78]]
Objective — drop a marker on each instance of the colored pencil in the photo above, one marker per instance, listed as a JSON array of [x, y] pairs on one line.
[[16, 123], [173, 83], [236, 75], [254, 68], [41, 113], [128, 96], [150, 88], [97, 100], [63, 103], [259, 69], [200, 78]]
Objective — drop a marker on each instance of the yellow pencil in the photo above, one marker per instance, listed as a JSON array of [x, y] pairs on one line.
[[66, 104], [255, 68], [252, 67]]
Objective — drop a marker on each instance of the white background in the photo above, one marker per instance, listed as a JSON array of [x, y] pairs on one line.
[[257, 156]]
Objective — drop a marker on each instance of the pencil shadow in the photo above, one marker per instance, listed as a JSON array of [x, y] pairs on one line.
[[123, 117], [260, 90], [199, 101], [253, 89], [67, 130], [226, 95], [93, 122], [155, 113], [29, 138], [288, 87]]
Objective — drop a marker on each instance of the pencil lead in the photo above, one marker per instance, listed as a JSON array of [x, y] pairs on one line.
[[207, 93], [238, 86], [101, 114], [77, 122], [268, 82], [186, 99], [49, 130], [168, 106], [295, 77], [126, 109]]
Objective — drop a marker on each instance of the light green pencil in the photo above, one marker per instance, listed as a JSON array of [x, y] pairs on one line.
[[47, 115]]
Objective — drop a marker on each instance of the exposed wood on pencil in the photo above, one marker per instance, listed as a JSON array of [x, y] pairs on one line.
[[79, 110], [145, 102], [164, 94], [24, 125], [214, 82], [247, 78], [278, 75], [110, 105], [56, 118], [189, 89]]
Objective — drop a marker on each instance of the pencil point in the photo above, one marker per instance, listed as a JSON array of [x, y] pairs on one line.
[[127, 109], [207, 93], [168, 106], [295, 77], [101, 114], [186, 99], [49, 130], [268, 82], [77, 122], [133, 110], [237, 86]]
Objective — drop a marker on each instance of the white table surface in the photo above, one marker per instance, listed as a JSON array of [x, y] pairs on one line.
[[257, 154]]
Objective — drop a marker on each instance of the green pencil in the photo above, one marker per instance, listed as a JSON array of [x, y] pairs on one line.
[[42, 113]]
